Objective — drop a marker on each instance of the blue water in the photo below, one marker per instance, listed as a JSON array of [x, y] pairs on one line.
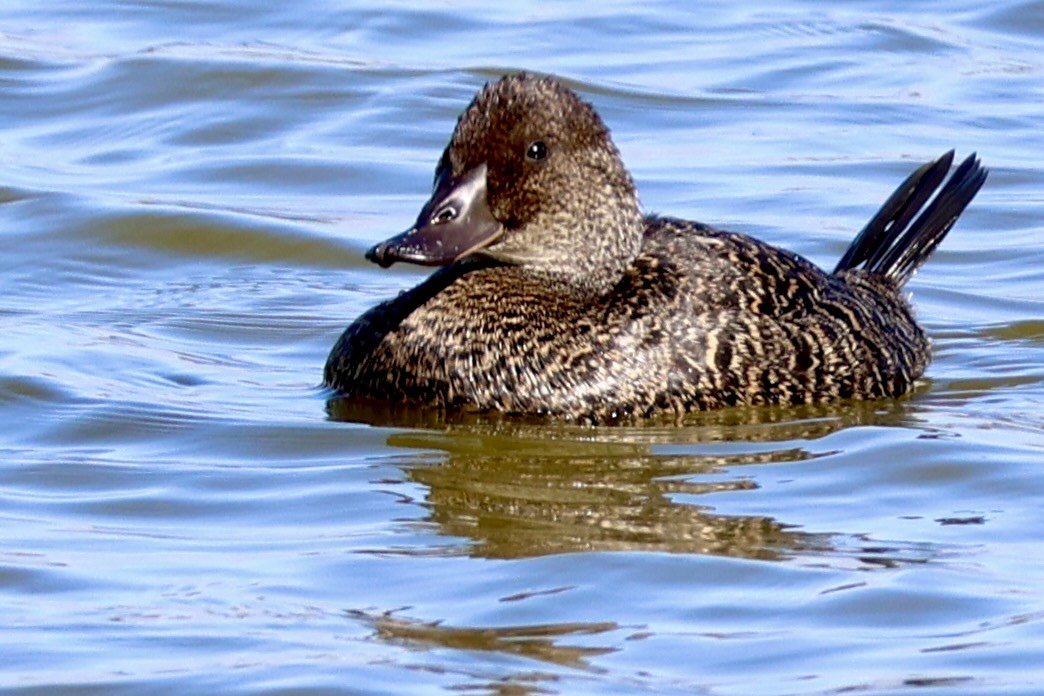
[[186, 190]]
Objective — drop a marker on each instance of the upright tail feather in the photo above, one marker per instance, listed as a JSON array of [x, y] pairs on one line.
[[893, 246]]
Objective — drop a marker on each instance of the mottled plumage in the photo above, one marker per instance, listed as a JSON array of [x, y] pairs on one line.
[[560, 298]]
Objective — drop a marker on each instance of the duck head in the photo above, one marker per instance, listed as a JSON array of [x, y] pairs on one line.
[[530, 178]]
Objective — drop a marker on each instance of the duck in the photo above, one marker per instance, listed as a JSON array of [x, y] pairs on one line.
[[556, 296]]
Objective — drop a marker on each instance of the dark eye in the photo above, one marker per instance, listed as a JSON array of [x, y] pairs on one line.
[[537, 150], [444, 215]]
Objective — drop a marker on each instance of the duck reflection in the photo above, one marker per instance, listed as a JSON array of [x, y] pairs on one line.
[[538, 642], [519, 489]]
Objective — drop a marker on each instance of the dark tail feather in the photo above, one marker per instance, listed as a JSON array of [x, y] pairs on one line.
[[890, 244]]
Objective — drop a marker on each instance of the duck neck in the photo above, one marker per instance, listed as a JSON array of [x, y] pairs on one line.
[[585, 256], [609, 248]]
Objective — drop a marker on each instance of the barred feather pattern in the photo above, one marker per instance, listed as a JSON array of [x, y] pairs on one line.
[[703, 319]]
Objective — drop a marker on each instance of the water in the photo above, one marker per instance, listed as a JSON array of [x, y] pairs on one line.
[[186, 191]]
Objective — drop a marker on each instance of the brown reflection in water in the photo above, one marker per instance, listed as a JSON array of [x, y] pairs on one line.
[[519, 489], [666, 428], [536, 642], [532, 504]]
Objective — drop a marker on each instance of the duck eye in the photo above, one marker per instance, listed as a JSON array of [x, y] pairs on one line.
[[444, 215], [537, 150]]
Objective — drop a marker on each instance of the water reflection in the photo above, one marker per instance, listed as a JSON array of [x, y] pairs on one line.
[[537, 642], [518, 490]]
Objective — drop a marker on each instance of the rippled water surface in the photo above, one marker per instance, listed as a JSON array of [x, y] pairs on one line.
[[186, 190]]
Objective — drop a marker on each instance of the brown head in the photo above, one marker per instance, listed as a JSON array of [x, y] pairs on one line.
[[530, 178]]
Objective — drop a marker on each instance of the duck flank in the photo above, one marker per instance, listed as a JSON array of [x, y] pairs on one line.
[[556, 296]]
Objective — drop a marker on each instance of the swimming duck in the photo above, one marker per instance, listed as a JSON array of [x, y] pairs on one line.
[[558, 297]]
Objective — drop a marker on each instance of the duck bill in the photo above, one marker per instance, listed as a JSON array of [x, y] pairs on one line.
[[455, 222]]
